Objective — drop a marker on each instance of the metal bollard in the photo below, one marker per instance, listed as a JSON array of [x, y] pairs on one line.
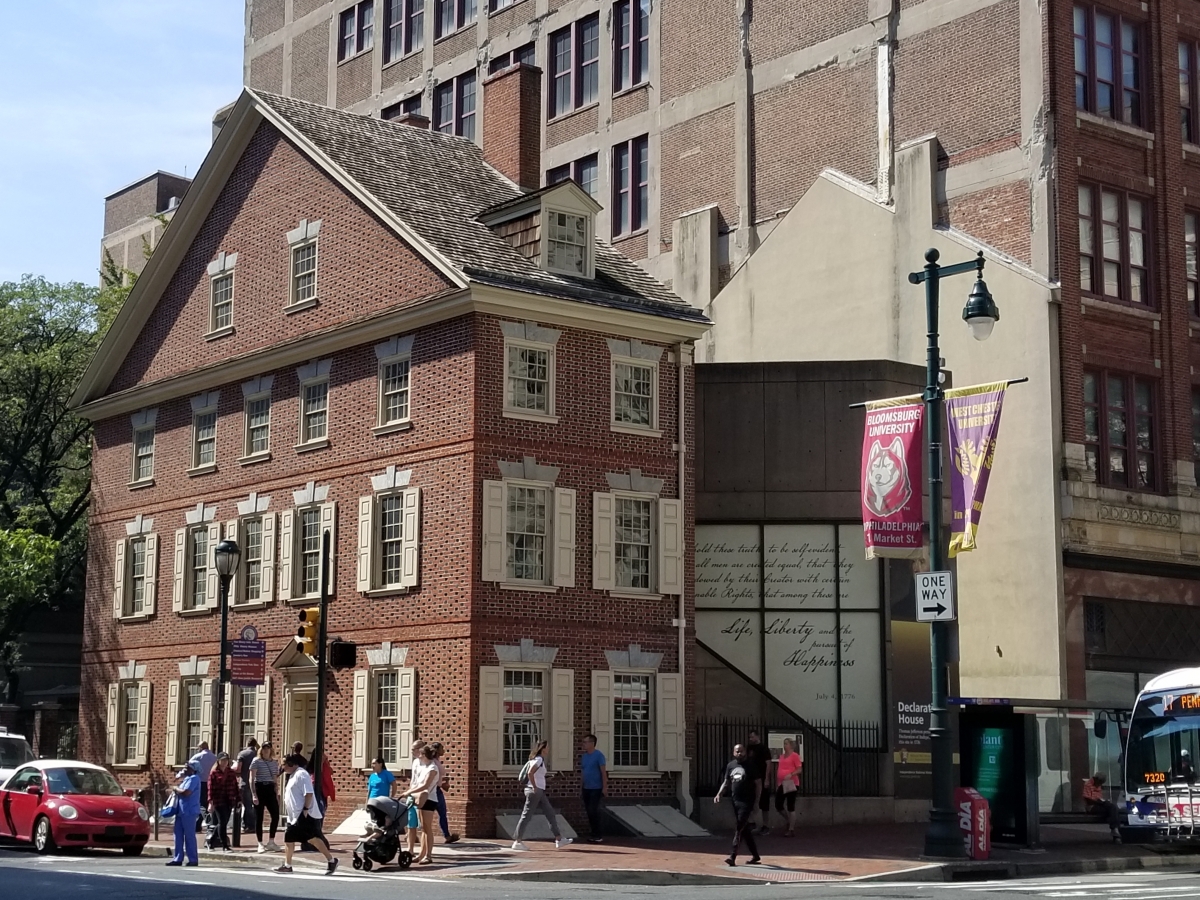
[[237, 825], [156, 809]]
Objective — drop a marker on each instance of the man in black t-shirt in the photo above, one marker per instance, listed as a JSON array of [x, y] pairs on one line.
[[743, 791], [244, 760], [759, 756]]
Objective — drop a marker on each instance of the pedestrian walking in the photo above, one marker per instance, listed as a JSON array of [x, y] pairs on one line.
[[264, 772], [594, 769], [787, 773], [304, 818], [413, 829], [533, 777], [742, 790], [759, 766], [422, 788], [202, 761], [443, 819], [245, 759], [223, 794], [187, 811]]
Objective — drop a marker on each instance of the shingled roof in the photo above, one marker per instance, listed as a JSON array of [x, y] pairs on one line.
[[439, 185]]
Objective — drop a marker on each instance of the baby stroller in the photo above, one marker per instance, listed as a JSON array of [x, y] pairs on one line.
[[389, 817]]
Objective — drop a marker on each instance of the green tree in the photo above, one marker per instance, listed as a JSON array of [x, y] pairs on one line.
[[29, 564]]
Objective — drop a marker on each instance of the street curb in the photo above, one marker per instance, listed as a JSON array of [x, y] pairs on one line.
[[161, 852], [1004, 869], [644, 877]]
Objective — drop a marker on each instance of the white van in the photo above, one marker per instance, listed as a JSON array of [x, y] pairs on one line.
[[14, 751]]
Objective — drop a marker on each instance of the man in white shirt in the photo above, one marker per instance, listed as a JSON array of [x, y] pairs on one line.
[[303, 814]]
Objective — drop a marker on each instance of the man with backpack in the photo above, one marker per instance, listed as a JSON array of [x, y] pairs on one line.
[[533, 778]]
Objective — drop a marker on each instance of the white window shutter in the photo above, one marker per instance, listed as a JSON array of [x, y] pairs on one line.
[[493, 531], [178, 584], [358, 754], [233, 533], [562, 720], [172, 721], [602, 711], [150, 597], [143, 723], [114, 711], [262, 711], [366, 540], [287, 550], [604, 552], [329, 522], [564, 538], [406, 710], [268, 558], [207, 703], [119, 580], [491, 717], [410, 558], [668, 719], [213, 590], [670, 549]]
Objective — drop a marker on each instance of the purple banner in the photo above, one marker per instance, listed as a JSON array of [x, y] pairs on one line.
[[974, 419]]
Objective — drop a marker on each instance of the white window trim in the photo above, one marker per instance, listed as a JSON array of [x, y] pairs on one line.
[[236, 531], [290, 571], [382, 426], [222, 266], [511, 412], [631, 592], [546, 585], [313, 374], [589, 252], [189, 572], [248, 457], [651, 430], [120, 760], [651, 767], [547, 670], [203, 405], [123, 580], [301, 236], [142, 422], [115, 726]]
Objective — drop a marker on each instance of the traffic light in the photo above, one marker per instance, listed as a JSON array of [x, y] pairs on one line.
[[342, 654], [306, 634]]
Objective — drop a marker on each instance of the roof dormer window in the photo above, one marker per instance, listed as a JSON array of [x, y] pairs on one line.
[[568, 242]]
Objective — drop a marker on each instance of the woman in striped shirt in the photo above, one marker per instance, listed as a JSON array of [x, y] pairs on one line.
[[264, 774]]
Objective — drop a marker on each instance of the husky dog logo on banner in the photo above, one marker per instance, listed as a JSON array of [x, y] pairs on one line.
[[891, 478]]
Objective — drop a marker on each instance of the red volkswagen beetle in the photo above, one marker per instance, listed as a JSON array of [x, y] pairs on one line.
[[66, 803]]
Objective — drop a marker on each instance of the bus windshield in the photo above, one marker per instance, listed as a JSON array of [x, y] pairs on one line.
[[1164, 741]]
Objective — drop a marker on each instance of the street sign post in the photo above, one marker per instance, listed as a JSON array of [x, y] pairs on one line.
[[248, 659], [935, 597]]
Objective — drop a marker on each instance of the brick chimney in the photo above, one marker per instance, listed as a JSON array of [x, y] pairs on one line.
[[512, 124]]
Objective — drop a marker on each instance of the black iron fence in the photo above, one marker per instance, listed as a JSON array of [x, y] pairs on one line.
[[849, 768]]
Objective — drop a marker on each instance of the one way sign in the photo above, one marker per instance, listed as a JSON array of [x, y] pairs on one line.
[[935, 597]]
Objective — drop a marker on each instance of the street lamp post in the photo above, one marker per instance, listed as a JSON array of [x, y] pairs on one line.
[[942, 838], [227, 558]]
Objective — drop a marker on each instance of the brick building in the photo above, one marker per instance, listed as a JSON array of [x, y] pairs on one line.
[[361, 327], [135, 215]]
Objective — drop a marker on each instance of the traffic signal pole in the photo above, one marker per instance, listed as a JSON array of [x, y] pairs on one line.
[[322, 636]]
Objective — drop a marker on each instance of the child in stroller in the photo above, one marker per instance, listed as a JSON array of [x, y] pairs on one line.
[[389, 818]]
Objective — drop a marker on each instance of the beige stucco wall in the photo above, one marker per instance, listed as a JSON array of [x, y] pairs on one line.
[[831, 283]]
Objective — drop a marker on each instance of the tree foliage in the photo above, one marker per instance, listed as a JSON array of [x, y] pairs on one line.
[[29, 564]]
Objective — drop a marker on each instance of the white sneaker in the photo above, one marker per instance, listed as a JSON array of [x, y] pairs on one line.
[[517, 845], [273, 847], [262, 848], [559, 843]]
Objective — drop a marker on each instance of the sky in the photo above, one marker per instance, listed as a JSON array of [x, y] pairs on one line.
[[94, 95]]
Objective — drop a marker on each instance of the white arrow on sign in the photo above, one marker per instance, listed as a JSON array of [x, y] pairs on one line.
[[935, 597]]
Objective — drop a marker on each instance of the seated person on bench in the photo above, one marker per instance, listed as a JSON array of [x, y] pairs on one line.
[[1096, 803]]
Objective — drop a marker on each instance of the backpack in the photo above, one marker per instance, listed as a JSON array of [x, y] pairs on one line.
[[523, 775]]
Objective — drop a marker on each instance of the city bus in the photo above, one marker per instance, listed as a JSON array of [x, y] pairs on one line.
[[1162, 796]]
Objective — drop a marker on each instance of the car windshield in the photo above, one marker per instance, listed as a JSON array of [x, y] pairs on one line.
[[79, 780], [1164, 742], [14, 752]]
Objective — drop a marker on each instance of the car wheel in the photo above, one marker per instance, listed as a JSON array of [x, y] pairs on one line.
[[133, 851], [43, 836]]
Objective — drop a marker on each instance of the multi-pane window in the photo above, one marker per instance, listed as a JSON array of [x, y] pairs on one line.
[[585, 172], [196, 596], [1196, 432], [204, 449], [1114, 237], [258, 425], [454, 14], [404, 23], [393, 391], [136, 595], [528, 380], [633, 394], [391, 539], [356, 29], [1191, 222], [566, 242], [192, 694], [222, 302], [304, 272], [387, 710], [575, 66], [1119, 429], [143, 454], [129, 722], [526, 53], [526, 523], [247, 714], [252, 556], [310, 551], [497, 5], [631, 186], [1188, 121], [314, 412], [631, 721], [524, 711], [634, 542], [409, 106], [1108, 65], [631, 43], [454, 106]]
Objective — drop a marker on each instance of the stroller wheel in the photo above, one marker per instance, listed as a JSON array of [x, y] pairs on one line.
[[404, 859], [367, 864], [358, 864]]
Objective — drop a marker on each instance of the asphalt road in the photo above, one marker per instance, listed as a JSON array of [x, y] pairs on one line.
[[25, 876]]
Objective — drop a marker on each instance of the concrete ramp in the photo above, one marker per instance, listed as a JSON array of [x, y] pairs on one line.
[[537, 829], [655, 821]]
